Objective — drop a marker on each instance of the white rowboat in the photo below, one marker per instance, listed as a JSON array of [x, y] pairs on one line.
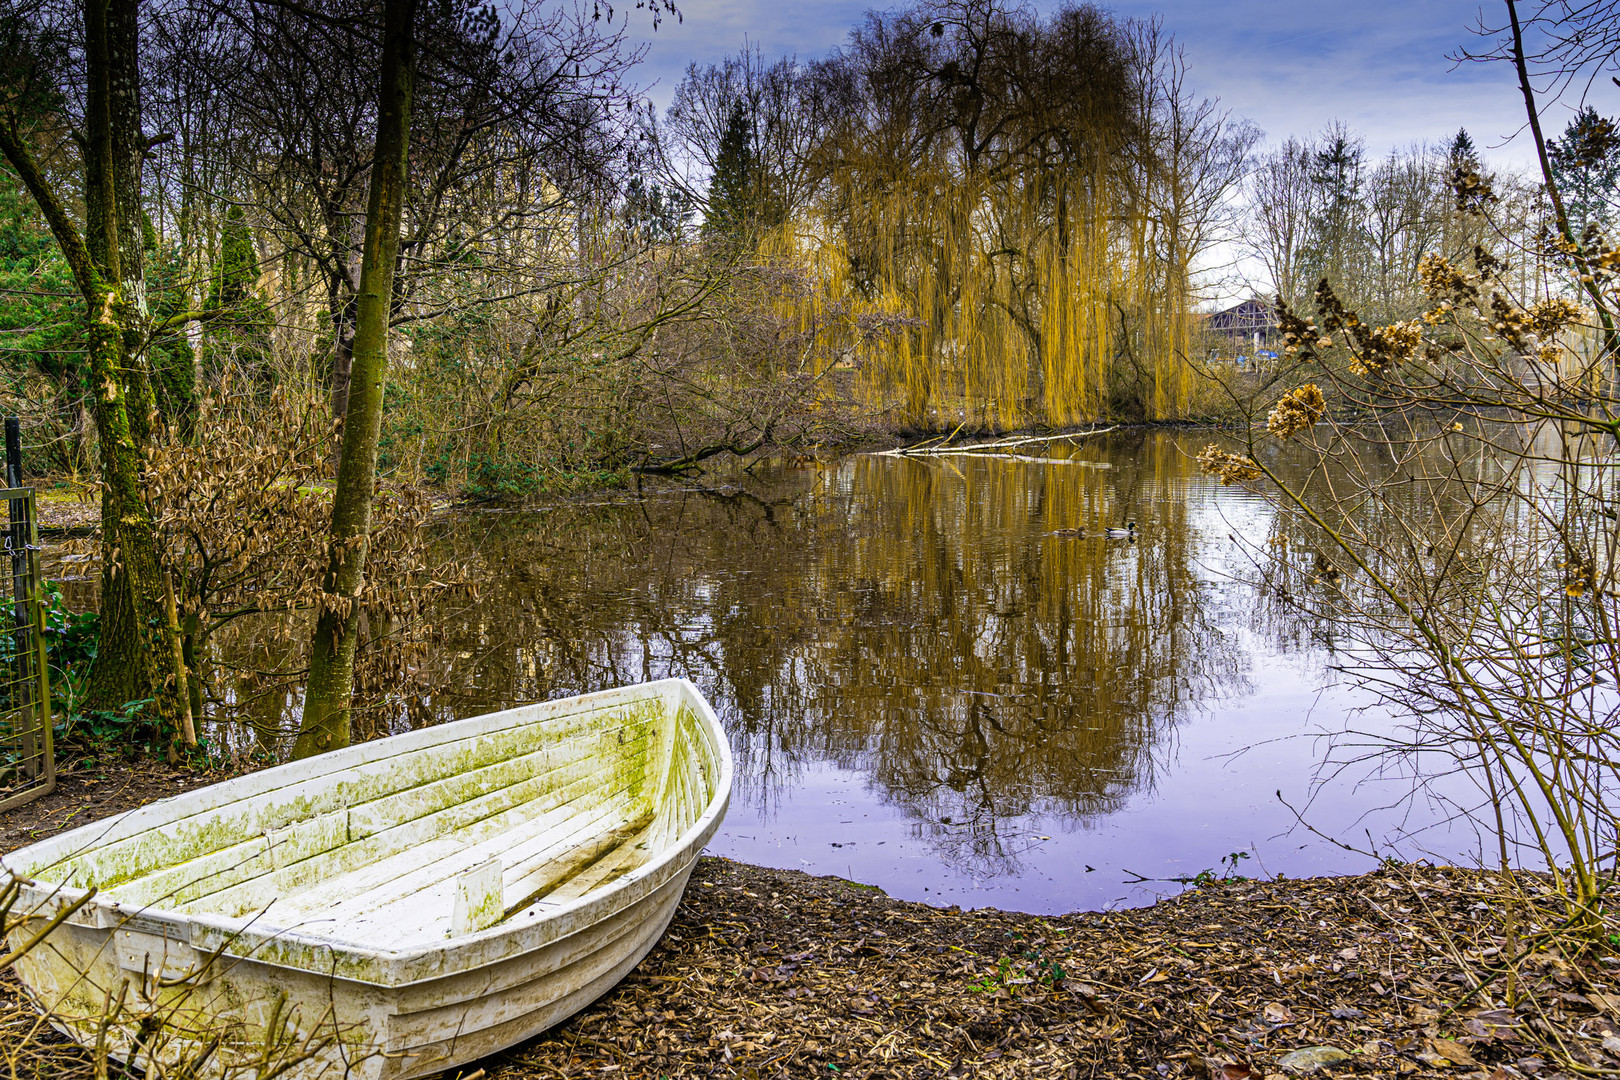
[[394, 908]]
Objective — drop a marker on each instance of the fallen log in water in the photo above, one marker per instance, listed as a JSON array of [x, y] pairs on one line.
[[923, 449]]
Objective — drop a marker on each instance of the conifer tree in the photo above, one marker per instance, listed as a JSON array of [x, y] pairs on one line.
[[1461, 231], [239, 334], [1338, 174], [174, 378], [1586, 166], [40, 327], [732, 190], [654, 213], [1461, 154]]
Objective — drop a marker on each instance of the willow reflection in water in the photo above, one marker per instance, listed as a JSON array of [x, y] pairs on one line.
[[930, 683]]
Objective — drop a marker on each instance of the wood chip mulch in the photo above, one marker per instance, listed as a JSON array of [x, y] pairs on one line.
[[769, 973]]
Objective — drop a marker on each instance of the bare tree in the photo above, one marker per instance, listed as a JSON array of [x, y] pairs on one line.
[[523, 122], [325, 724], [1198, 157], [781, 110], [1406, 203], [1282, 202]]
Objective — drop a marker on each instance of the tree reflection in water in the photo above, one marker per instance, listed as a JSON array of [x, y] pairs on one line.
[[922, 641], [919, 623], [931, 631]]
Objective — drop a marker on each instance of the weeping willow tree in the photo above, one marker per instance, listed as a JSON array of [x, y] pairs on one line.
[[1028, 196]]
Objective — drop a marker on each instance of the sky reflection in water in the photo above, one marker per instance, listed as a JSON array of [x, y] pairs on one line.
[[930, 689]]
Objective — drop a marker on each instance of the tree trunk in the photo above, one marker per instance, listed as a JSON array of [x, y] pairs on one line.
[[342, 299], [343, 331], [127, 149], [131, 664], [328, 697]]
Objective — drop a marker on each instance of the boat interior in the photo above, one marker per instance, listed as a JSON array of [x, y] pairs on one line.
[[432, 843]]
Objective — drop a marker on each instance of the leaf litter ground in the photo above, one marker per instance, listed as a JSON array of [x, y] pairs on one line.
[[770, 973], [774, 973]]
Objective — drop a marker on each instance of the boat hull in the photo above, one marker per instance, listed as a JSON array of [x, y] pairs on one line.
[[341, 1008]]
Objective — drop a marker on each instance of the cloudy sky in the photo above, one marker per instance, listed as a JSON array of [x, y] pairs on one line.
[[1289, 65]]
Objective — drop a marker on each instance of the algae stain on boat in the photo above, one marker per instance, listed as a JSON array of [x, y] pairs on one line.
[[480, 899], [445, 892], [459, 772]]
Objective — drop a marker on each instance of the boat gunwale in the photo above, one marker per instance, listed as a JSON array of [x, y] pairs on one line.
[[241, 938]]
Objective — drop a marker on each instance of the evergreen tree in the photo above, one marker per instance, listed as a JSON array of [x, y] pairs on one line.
[[38, 323], [239, 334], [656, 215], [1461, 232], [1337, 174], [1461, 153], [1586, 166], [174, 368], [732, 190]]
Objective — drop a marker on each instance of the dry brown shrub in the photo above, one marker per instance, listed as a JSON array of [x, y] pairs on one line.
[[242, 509], [156, 1027]]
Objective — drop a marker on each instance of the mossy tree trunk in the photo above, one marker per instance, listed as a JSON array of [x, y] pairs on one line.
[[328, 698], [107, 268]]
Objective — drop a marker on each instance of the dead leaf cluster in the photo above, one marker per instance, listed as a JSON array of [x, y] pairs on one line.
[[242, 521]]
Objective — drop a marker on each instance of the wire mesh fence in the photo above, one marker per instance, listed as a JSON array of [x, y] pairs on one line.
[[27, 758]]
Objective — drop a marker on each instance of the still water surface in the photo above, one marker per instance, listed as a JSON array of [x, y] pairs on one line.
[[933, 686]]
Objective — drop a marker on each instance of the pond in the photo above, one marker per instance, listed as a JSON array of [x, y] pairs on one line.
[[934, 685]]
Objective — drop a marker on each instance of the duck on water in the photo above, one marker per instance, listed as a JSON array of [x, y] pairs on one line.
[[1112, 532]]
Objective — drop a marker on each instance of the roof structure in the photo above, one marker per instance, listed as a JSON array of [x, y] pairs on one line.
[[1244, 318]]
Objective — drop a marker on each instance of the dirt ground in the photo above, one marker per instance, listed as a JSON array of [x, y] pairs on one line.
[[85, 794], [772, 973]]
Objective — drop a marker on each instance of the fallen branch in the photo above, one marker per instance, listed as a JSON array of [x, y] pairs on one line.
[[924, 450], [1046, 460], [942, 441], [688, 462]]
